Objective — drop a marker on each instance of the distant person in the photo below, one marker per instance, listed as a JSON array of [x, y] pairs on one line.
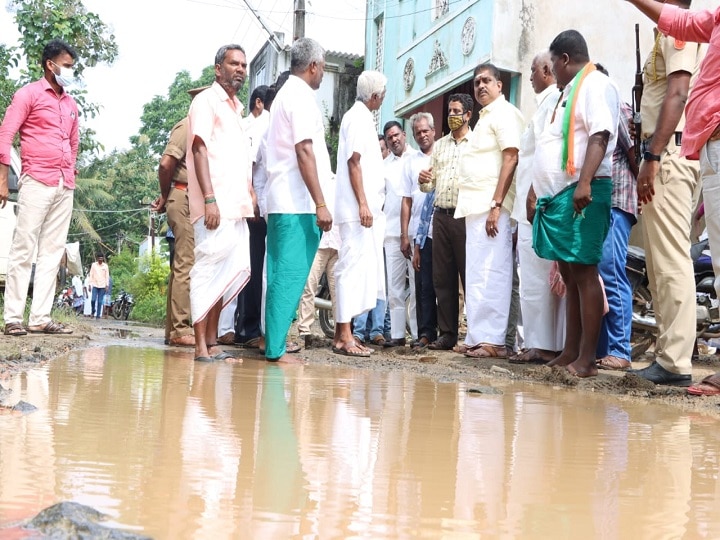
[[359, 198], [297, 158], [78, 294], [99, 281], [47, 119], [173, 199], [221, 199], [107, 300]]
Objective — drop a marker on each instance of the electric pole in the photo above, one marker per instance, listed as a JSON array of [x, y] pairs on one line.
[[299, 21]]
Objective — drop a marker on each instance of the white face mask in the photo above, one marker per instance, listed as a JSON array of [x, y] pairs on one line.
[[66, 76]]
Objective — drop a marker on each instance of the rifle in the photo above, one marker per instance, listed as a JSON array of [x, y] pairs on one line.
[[637, 92]]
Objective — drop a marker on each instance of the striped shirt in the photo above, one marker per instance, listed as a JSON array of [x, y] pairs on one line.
[[624, 193], [445, 165]]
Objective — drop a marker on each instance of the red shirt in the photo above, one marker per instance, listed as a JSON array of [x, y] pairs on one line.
[[703, 106], [48, 126]]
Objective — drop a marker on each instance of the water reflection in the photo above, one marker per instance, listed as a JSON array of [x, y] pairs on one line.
[[179, 449]]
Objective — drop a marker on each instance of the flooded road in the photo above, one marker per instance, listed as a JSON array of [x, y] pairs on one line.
[[175, 449]]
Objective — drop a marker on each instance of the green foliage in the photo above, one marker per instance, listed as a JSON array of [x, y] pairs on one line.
[[163, 112], [39, 21], [8, 87], [149, 287], [123, 267]]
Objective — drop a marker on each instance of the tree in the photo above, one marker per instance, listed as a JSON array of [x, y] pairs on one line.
[[8, 87], [39, 21], [163, 112]]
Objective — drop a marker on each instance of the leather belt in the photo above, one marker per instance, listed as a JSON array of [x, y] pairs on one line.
[[446, 211], [180, 186]]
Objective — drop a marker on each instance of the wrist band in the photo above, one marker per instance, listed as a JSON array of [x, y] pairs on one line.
[[321, 205], [210, 200]]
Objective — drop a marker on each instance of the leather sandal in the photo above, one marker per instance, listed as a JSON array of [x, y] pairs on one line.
[[53, 328], [15, 329]]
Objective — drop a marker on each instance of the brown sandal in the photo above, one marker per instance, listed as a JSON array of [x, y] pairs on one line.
[[15, 329], [54, 328]]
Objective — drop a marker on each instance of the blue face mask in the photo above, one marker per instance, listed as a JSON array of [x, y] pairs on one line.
[[66, 76]]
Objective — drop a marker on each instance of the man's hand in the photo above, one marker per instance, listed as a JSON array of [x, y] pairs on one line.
[[4, 192], [582, 196], [405, 246], [531, 204], [158, 205], [366, 217], [324, 219], [212, 216], [425, 176], [416, 260], [492, 221], [646, 181]]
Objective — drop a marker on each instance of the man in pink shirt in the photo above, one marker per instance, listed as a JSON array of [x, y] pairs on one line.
[[47, 119], [701, 136], [221, 198]]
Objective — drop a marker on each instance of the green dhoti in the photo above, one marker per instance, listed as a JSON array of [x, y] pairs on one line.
[[292, 241], [561, 234]]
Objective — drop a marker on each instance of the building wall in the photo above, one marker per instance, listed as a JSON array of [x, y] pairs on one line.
[[507, 32]]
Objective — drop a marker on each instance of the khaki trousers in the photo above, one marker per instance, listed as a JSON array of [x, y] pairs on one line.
[[325, 260], [666, 224], [43, 220], [178, 320]]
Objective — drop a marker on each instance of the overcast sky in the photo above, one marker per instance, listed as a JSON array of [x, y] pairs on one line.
[[158, 38]]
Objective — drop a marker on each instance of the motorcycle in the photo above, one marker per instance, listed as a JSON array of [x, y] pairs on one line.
[[644, 325], [65, 299], [122, 306]]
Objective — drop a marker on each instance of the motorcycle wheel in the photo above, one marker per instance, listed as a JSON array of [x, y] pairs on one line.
[[116, 310], [125, 312], [642, 338], [325, 316]]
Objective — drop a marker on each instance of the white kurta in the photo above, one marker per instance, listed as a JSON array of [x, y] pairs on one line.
[[359, 272]]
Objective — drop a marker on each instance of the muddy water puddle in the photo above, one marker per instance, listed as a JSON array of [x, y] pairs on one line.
[[175, 449]]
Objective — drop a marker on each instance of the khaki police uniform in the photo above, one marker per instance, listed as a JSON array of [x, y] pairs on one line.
[[178, 321], [666, 221]]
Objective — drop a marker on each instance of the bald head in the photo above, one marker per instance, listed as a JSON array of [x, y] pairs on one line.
[[541, 74]]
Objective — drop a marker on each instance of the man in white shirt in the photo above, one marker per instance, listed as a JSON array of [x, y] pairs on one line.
[[485, 199], [397, 265], [359, 273], [543, 311], [297, 158], [419, 250], [221, 198]]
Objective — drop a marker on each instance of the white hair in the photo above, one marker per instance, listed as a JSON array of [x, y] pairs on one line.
[[420, 116], [370, 83]]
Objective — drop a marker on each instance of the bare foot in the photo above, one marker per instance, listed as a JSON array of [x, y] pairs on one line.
[[562, 361], [287, 359], [581, 370]]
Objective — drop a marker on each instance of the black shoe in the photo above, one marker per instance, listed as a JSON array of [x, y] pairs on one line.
[[657, 374], [443, 343], [400, 342]]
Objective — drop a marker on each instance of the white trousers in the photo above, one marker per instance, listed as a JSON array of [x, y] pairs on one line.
[[710, 172], [226, 324], [325, 260], [543, 313], [398, 269], [488, 279], [359, 272], [43, 219]]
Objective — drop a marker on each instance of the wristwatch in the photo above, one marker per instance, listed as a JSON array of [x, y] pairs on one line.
[[495, 204], [647, 156]]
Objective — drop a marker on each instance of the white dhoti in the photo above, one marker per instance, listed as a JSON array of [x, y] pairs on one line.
[[359, 271], [488, 279], [222, 265], [543, 313], [398, 269]]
